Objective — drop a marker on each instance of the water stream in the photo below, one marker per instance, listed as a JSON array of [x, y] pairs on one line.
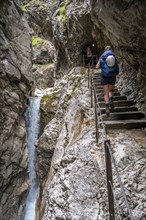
[[32, 118]]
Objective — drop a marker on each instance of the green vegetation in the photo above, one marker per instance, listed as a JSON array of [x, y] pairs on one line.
[[36, 41], [54, 1], [35, 2], [64, 20], [62, 10], [47, 102], [24, 7]]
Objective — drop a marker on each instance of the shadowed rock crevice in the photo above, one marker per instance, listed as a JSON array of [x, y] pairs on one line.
[[16, 82]]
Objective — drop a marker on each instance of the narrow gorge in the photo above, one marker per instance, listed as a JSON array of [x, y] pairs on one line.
[[45, 106]]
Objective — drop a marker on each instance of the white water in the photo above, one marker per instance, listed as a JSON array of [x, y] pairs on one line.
[[32, 118]]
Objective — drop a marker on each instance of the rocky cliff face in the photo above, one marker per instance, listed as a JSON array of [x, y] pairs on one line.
[[71, 25], [122, 25], [69, 138], [67, 165], [71, 165], [15, 85], [74, 25]]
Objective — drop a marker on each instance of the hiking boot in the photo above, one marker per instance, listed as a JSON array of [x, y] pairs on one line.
[[107, 111], [111, 104]]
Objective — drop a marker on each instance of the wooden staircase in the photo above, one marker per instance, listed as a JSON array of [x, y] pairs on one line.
[[125, 113]]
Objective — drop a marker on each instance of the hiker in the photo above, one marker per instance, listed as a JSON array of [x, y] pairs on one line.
[[89, 54], [109, 69]]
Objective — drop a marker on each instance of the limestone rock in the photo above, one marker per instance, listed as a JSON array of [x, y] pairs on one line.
[[16, 83], [72, 169], [71, 165], [44, 56], [43, 52], [74, 24], [44, 76]]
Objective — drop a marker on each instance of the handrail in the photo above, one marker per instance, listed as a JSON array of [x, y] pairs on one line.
[[90, 60], [108, 152], [120, 182]]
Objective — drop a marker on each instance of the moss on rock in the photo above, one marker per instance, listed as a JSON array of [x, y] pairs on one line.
[[37, 40], [37, 3], [48, 109]]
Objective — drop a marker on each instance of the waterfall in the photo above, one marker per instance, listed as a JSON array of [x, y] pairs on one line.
[[32, 118]]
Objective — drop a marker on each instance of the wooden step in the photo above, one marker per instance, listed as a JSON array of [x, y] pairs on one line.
[[97, 83], [120, 109], [125, 124], [115, 94], [123, 116], [99, 89], [116, 98], [96, 76], [119, 103], [97, 80]]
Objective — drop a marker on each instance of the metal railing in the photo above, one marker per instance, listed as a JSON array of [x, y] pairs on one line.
[[90, 60], [109, 158]]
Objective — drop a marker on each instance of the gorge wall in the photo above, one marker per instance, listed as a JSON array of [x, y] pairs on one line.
[[72, 24], [15, 85], [69, 25]]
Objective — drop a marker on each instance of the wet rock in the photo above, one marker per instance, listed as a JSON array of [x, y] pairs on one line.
[[129, 153], [16, 83], [44, 55], [70, 176], [72, 25], [43, 51], [44, 76]]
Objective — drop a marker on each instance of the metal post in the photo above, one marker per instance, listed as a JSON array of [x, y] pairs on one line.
[[96, 123], [109, 180], [83, 60], [96, 115], [88, 77], [91, 90]]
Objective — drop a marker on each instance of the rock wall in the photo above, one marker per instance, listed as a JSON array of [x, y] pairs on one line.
[[72, 186], [122, 25], [71, 165], [15, 85], [71, 25], [66, 150]]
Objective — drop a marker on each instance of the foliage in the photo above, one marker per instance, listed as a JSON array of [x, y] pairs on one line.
[[62, 10], [54, 1], [24, 7], [35, 2], [36, 41], [47, 102], [64, 19]]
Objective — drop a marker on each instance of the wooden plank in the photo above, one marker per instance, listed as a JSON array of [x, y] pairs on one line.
[[99, 89], [125, 124], [119, 103], [121, 109], [123, 116], [116, 98], [100, 94]]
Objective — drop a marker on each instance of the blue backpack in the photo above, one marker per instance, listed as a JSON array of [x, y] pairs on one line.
[[109, 64]]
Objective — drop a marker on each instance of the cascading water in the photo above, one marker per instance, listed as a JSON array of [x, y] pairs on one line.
[[32, 118]]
